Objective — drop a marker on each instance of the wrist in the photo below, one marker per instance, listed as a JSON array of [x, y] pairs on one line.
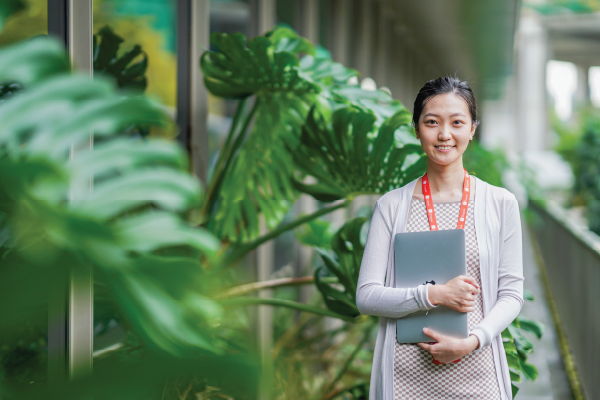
[[435, 294], [472, 342]]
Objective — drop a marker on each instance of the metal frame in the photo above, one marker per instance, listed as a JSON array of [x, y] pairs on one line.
[[184, 23], [71, 305]]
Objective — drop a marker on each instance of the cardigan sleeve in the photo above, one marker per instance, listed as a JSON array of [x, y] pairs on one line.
[[510, 278], [372, 296]]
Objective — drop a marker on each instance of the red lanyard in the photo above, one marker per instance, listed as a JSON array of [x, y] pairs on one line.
[[464, 204]]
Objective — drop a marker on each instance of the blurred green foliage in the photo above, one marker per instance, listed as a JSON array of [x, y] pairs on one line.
[[131, 229], [587, 167], [487, 165]]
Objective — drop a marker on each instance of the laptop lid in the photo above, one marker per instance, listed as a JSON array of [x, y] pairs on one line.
[[438, 256]]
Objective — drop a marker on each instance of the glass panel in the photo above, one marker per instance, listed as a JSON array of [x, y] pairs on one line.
[[148, 28], [152, 25]]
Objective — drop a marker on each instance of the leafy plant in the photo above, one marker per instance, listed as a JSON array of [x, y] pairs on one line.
[[130, 229], [348, 157], [517, 348], [487, 165], [253, 172], [587, 172]]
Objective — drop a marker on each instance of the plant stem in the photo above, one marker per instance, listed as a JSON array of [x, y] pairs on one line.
[[252, 301], [227, 156], [238, 253], [241, 290], [349, 360]]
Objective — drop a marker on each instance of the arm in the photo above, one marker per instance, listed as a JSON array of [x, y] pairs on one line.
[[510, 279], [372, 297]]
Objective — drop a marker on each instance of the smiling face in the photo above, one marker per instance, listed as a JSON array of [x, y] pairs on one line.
[[445, 128]]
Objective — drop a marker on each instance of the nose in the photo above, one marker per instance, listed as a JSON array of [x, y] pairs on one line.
[[444, 133]]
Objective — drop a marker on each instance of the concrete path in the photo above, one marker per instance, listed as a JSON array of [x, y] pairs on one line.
[[552, 383]]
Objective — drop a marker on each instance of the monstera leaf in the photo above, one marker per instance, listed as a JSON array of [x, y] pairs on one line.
[[253, 173], [350, 156], [128, 74], [325, 71], [263, 64], [129, 227], [348, 245]]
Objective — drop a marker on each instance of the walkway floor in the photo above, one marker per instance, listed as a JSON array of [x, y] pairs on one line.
[[552, 382]]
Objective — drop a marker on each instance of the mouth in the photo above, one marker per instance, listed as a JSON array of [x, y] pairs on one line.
[[444, 148]]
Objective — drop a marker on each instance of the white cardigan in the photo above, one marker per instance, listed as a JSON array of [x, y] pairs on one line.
[[498, 227]]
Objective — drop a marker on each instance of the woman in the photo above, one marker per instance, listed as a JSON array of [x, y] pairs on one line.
[[445, 119]]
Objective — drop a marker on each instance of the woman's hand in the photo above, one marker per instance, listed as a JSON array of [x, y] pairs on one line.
[[458, 294], [448, 349]]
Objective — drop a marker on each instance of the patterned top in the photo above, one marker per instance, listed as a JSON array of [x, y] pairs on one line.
[[416, 377]]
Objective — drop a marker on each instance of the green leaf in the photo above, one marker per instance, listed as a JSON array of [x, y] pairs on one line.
[[123, 154], [528, 295], [126, 73], [378, 101], [336, 300], [529, 370], [515, 375], [530, 325], [316, 233], [515, 389], [286, 39], [512, 358], [345, 159], [32, 61], [146, 232], [169, 189], [325, 71], [240, 70]]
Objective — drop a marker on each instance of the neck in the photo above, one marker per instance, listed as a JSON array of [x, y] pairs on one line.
[[445, 181]]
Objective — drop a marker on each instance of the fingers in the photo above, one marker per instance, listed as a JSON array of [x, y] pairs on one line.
[[425, 346], [432, 334], [470, 279]]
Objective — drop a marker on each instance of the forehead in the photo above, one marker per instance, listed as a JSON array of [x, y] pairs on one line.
[[447, 103]]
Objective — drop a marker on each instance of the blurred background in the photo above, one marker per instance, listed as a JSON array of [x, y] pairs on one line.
[[285, 230]]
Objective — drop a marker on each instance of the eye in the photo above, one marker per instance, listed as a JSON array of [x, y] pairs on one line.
[[430, 121], [459, 121]]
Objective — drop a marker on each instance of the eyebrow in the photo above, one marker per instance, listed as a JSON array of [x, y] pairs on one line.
[[435, 115]]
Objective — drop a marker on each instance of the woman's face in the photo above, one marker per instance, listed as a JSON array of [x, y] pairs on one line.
[[445, 128]]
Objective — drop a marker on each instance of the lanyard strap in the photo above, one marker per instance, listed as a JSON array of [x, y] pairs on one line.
[[464, 204]]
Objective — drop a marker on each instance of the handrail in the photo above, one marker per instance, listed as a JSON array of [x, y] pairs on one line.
[[558, 213], [571, 264]]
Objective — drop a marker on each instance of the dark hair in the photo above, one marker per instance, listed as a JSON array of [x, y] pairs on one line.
[[442, 85]]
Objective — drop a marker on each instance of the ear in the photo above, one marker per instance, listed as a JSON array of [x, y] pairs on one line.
[[473, 127]]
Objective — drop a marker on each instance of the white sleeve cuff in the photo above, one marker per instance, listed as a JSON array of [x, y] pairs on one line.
[[423, 297]]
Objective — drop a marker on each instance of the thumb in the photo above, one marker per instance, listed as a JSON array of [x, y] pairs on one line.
[[434, 335]]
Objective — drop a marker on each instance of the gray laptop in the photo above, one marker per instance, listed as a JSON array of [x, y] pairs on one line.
[[430, 256]]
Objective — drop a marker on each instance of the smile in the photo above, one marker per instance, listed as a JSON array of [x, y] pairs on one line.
[[444, 148]]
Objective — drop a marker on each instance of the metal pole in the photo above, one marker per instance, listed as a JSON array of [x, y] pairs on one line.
[[70, 306], [81, 291], [200, 35], [184, 8]]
